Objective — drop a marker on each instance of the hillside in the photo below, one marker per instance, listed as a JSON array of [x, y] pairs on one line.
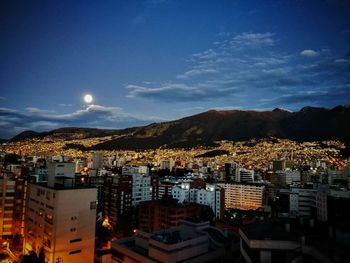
[[308, 124]]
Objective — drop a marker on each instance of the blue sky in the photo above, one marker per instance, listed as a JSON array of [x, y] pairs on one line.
[[155, 60]]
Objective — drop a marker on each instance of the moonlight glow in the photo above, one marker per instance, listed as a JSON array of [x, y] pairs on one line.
[[88, 98]]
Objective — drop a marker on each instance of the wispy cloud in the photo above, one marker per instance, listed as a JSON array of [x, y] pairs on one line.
[[14, 121], [64, 105], [253, 40], [249, 67], [196, 72]]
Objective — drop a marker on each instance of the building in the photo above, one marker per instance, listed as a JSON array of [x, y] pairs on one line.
[[165, 213], [130, 170], [231, 170], [116, 197], [245, 176], [274, 242], [278, 165], [165, 188], [167, 164], [60, 217], [97, 160], [12, 205], [141, 188], [288, 177], [307, 203], [192, 241], [211, 195], [143, 185], [243, 196]]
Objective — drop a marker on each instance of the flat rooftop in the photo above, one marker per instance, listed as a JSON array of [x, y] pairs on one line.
[[268, 231]]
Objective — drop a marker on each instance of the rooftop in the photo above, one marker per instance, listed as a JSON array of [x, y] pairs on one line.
[[268, 231]]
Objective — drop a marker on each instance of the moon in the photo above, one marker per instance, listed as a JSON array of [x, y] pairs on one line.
[[88, 98]]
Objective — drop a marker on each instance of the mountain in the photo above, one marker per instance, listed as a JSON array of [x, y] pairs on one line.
[[27, 135], [308, 124], [71, 133]]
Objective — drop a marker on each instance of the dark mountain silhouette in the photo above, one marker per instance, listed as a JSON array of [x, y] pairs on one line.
[[308, 124], [71, 133]]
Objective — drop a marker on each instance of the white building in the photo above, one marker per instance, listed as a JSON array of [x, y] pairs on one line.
[[141, 188], [61, 217], [211, 195], [141, 183], [243, 196], [60, 169]]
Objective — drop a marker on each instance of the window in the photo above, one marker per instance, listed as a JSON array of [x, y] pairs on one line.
[[75, 240], [73, 229], [49, 218], [93, 205], [75, 252]]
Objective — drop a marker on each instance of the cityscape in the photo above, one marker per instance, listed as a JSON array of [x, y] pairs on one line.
[[174, 131]]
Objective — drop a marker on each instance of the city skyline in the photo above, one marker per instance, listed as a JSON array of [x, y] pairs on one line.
[[149, 61]]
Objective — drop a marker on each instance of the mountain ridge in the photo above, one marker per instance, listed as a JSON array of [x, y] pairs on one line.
[[310, 123]]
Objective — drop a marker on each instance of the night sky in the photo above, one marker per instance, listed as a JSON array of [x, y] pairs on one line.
[[150, 61]]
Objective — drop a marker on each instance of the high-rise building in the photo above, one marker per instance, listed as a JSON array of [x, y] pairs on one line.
[[60, 217], [244, 196], [116, 198], [12, 205]]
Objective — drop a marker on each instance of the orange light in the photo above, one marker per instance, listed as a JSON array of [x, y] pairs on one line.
[[106, 223]]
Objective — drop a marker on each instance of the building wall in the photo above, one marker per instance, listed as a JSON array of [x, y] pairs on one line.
[[117, 197], [62, 222], [12, 205], [243, 196], [56, 169], [155, 215], [209, 195], [141, 188]]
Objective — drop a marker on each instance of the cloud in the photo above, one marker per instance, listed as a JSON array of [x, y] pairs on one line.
[[309, 53], [2, 98], [64, 105], [326, 97], [37, 110], [14, 121], [196, 72], [224, 34], [172, 92], [247, 69], [253, 40]]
